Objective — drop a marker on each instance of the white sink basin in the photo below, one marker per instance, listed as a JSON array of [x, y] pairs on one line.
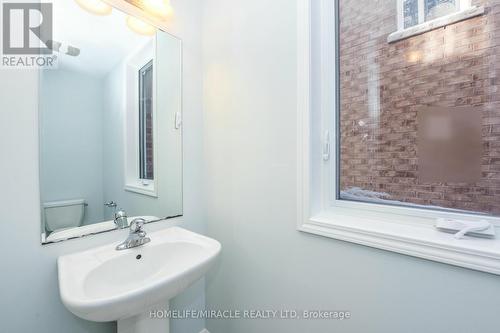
[[104, 284]]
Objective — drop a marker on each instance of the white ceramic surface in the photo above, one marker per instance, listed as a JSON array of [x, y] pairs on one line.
[[91, 229], [104, 284], [63, 214]]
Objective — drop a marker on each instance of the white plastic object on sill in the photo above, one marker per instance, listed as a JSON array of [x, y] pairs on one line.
[[461, 228]]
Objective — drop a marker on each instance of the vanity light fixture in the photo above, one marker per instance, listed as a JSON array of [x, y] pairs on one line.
[[140, 27], [159, 8], [96, 7]]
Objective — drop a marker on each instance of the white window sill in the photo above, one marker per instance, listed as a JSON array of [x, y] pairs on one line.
[[140, 188], [409, 236], [434, 24]]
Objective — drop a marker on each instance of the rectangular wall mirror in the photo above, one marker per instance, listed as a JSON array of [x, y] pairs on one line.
[[110, 124]]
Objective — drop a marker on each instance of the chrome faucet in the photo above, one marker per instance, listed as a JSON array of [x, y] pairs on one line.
[[121, 219], [137, 236]]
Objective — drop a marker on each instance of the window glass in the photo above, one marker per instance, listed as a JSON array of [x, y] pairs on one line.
[[419, 119], [438, 8], [146, 122], [410, 13]]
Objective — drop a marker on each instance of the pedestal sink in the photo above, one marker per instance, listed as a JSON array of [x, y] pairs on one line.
[[104, 284]]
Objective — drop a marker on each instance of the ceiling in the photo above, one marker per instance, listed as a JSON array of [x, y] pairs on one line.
[[103, 40]]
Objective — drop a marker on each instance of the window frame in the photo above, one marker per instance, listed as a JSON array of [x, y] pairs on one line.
[[400, 229], [142, 122], [131, 131], [465, 11], [461, 4]]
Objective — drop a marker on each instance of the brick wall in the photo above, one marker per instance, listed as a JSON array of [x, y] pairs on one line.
[[383, 86]]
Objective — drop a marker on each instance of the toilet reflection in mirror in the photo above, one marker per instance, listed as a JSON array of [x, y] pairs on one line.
[[110, 140]]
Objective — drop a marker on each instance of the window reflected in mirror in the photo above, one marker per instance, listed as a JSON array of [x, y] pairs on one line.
[[146, 122]]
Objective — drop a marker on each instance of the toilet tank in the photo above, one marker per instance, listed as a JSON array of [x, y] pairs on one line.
[[64, 214]]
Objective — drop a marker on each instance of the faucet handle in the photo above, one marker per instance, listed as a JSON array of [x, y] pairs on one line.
[[136, 225], [110, 204]]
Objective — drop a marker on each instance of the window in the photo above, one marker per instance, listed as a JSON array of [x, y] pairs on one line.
[[146, 167], [420, 11], [408, 131], [410, 13], [140, 122], [409, 112], [415, 17], [437, 8]]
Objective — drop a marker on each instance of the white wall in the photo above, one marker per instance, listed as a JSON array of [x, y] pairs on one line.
[[71, 109], [250, 148], [29, 299]]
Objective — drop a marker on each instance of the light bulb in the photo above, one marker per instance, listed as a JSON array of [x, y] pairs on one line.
[[96, 7], [140, 27], [159, 8]]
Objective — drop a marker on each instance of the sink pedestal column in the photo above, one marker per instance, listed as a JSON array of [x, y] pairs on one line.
[[153, 321]]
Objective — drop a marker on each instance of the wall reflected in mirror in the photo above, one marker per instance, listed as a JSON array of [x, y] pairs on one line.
[[110, 136]]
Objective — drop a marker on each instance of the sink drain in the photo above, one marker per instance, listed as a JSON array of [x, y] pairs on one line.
[[138, 257]]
